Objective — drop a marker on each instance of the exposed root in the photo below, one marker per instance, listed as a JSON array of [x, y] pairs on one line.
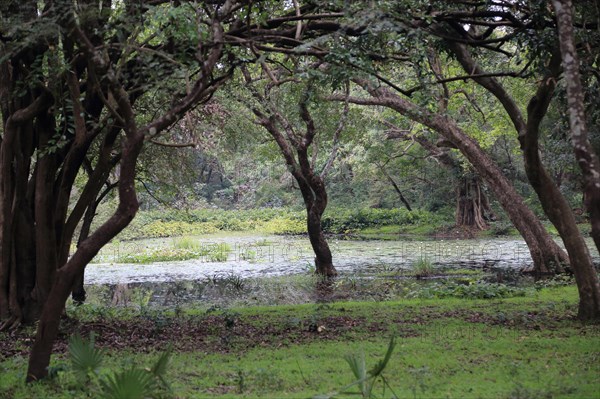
[[11, 324]]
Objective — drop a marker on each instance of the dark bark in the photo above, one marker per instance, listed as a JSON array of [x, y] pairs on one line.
[[396, 188], [99, 65], [472, 206], [78, 294], [547, 256], [294, 148], [584, 153], [470, 203], [553, 202]]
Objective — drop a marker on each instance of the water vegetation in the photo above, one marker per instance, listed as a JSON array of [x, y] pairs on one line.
[[185, 249], [171, 222]]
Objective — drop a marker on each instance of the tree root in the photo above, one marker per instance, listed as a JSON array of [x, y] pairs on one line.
[[11, 324]]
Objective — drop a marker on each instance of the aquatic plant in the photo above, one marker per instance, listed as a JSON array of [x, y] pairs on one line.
[[423, 268]]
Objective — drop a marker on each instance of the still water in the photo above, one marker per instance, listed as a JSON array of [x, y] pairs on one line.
[[268, 256]]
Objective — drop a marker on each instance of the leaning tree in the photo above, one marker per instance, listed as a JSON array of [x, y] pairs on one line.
[[72, 76], [295, 132], [525, 41], [548, 40], [79, 88]]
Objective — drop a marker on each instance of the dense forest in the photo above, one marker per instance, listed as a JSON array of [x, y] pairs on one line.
[[471, 117]]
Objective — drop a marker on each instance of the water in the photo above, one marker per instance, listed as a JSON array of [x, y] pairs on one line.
[[255, 256]]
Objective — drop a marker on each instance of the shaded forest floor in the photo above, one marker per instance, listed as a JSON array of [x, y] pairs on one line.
[[515, 347]]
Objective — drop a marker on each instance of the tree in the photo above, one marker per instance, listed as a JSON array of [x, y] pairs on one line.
[[294, 145], [472, 205], [584, 153], [545, 253], [72, 75], [477, 32], [77, 79], [527, 126]]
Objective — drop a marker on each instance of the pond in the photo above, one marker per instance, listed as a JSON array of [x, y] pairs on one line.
[[268, 256], [264, 269]]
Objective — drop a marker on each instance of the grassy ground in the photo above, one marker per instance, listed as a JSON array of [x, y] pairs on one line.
[[526, 347]]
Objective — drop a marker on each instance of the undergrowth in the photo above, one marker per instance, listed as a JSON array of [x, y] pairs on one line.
[[170, 223]]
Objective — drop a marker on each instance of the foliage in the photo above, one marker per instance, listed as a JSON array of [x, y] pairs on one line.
[[423, 267], [206, 252], [365, 379], [468, 290], [349, 220], [173, 223], [284, 226], [85, 358], [177, 228], [187, 242], [131, 383], [517, 347]]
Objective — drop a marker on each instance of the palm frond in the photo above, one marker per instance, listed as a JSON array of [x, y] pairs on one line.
[[129, 384], [85, 358]]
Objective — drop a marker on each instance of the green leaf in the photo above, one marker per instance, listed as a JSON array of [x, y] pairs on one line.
[[129, 384], [381, 365], [85, 358]]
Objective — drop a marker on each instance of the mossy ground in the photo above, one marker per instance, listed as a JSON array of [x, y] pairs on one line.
[[525, 347]]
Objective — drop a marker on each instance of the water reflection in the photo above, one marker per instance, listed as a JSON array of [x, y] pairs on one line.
[[269, 256]]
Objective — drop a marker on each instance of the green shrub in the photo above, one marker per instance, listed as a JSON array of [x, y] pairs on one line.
[[284, 226], [479, 290], [187, 242], [131, 383], [188, 250], [218, 252], [423, 268], [340, 221], [159, 255], [172, 223]]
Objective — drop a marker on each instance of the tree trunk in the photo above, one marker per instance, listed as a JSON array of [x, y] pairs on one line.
[[470, 204], [295, 152], [78, 294], [65, 276], [587, 158], [396, 188], [323, 258], [553, 202], [547, 256]]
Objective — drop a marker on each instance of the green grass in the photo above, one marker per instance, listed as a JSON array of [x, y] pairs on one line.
[[423, 268], [187, 242], [184, 249], [172, 223], [529, 347]]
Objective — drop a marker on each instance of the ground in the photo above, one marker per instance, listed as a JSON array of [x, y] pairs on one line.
[[514, 348]]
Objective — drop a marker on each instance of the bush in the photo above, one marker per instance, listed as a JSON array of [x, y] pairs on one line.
[[184, 249], [340, 221], [172, 223], [479, 290], [284, 226], [131, 383], [423, 268]]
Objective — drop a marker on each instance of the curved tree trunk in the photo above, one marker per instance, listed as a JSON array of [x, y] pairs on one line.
[[78, 293], [553, 202], [547, 256], [294, 148], [587, 158], [314, 212], [64, 280]]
